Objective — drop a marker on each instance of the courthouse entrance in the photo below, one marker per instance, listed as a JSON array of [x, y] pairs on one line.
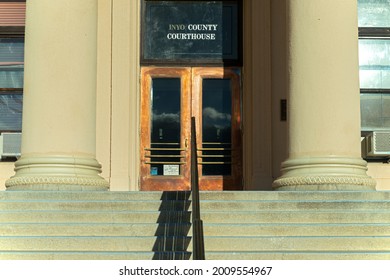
[[191, 62], [169, 98]]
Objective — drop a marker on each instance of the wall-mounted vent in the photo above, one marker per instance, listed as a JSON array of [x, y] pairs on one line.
[[377, 144], [10, 144]]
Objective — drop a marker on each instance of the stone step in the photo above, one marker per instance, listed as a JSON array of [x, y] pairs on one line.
[[312, 216], [92, 196], [95, 216], [217, 244], [295, 195], [221, 205], [297, 243], [93, 255], [204, 195], [226, 230], [276, 230], [297, 255], [227, 255], [95, 243], [101, 229], [103, 206], [294, 205], [222, 217]]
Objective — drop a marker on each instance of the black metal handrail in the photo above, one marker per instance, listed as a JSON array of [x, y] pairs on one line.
[[198, 252]]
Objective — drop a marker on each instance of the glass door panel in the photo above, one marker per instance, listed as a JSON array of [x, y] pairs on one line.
[[216, 127], [165, 147]]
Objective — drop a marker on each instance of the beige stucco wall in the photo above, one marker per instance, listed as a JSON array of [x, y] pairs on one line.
[[279, 86], [6, 171], [381, 173], [257, 101], [118, 97], [103, 100]]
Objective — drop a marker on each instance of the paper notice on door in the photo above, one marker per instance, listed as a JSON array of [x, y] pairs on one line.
[[171, 169]]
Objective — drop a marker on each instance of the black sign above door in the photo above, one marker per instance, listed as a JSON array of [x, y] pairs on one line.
[[191, 32]]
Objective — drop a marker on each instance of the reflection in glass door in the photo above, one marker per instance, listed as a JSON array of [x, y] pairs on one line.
[[170, 96], [216, 127], [165, 147]]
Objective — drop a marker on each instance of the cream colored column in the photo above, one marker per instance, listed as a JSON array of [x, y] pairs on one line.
[[59, 113], [324, 111]]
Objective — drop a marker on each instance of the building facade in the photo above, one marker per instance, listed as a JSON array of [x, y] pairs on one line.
[[108, 96]]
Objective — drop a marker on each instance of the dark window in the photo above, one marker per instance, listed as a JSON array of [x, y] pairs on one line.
[[11, 84]]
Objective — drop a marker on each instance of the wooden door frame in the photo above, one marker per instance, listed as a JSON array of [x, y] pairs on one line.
[[168, 183], [233, 182]]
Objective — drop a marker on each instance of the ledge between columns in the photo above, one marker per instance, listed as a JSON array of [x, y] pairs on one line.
[[324, 174]]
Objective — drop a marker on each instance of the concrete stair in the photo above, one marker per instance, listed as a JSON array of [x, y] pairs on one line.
[[157, 225], [95, 225], [297, 225]]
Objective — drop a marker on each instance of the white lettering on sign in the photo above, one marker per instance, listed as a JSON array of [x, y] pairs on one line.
[[203, 27], [177, 27], [192, 36]]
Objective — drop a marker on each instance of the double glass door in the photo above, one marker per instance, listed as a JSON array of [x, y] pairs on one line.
[[169, 98]]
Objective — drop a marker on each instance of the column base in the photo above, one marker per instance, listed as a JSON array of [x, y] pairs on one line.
[[58, 173], [324, 174]]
